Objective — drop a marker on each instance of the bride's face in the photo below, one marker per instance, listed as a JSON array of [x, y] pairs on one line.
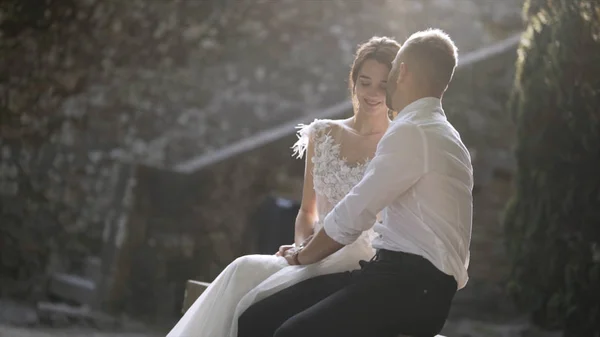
[[370, 87]]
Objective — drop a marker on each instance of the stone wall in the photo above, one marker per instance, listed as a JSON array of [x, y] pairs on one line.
[[476, 105]]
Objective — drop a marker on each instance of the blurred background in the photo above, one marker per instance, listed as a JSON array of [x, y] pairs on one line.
[[145, 143]]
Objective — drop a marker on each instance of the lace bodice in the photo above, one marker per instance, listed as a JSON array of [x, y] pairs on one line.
[[333, 176]]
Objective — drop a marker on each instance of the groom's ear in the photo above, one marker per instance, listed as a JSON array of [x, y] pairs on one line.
[[402, 72]]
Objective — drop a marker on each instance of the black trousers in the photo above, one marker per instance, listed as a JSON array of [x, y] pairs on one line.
[[394, 293]]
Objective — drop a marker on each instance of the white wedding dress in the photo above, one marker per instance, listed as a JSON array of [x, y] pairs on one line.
[[251, 278]]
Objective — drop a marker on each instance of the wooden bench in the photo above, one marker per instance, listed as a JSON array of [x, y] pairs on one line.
[[193, 290]]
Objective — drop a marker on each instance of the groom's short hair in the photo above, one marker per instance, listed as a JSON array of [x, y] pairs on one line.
[[432, 56]]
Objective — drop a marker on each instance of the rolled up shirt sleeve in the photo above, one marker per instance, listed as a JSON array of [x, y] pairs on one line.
[[399, 162]]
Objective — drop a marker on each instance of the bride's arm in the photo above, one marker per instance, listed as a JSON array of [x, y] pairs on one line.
[[307, 215]]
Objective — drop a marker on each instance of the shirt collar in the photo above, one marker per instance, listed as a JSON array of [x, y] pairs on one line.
[[425, 103]]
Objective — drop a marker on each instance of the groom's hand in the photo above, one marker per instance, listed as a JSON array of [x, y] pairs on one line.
[[283, 249], [291, 256]]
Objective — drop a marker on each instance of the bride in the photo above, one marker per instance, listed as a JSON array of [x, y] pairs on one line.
[[337, 153]]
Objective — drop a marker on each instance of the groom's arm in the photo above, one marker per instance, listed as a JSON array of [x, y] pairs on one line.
[[400, 161]]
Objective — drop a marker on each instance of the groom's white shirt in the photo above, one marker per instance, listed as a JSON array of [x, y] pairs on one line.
[[422, 179]]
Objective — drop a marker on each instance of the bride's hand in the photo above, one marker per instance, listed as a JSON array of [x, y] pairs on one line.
[[283, 249]]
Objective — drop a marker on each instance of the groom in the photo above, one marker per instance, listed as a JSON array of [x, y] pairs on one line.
[[421, 177]]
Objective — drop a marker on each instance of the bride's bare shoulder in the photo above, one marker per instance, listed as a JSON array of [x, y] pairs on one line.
[[339, 125], [318, 127], [336, 124]]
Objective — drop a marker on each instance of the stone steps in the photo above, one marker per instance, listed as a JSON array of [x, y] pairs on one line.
[[79, 289], [72, 288], [65, 314], [75, 297]]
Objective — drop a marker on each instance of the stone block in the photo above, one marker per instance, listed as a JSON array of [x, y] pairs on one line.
[[72, 288], [62, 313], [92, 268], [51, 308], [17, 313]]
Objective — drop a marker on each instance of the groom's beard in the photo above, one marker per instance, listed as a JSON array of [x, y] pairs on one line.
[[389, 94], [388, 98]]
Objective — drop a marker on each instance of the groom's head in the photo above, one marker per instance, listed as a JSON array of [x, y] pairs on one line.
[[423, 67]]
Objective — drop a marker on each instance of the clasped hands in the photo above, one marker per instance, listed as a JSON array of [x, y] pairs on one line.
[[290, 252]]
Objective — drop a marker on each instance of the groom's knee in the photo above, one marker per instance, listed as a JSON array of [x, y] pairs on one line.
[[245, 326], [291, 328], [253, 323]]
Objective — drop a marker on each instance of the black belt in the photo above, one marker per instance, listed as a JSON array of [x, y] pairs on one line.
[[417, 261], [390, 255]]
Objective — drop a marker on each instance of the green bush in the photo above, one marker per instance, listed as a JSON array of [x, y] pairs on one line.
[[553, 222]]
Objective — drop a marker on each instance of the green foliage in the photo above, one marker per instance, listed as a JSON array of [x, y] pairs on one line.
[[553, 222]]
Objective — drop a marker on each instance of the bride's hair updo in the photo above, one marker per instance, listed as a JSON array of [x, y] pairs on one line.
[[380, 49]]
